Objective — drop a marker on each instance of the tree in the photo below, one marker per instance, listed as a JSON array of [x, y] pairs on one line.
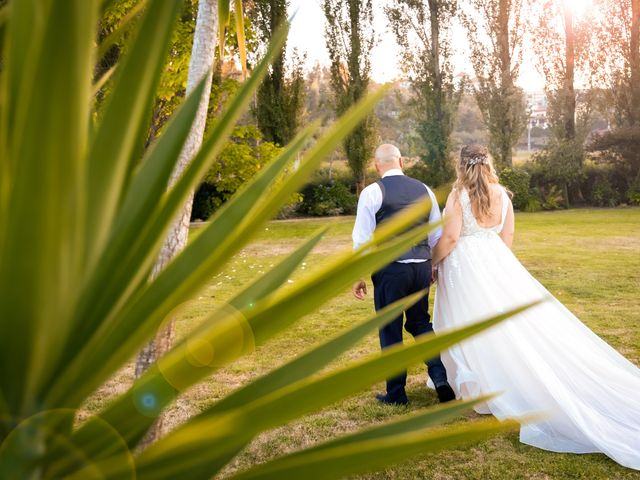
[[117, 21], [562, 45], [280, 98], [349, 36], [318, 94], [395, 125], [618, 58], [470, 126], [618, 55], [423, 32], [200, 66], [495, 32], [240, 160], [212, 19]]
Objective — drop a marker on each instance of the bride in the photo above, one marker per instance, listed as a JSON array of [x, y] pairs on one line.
[[542, 360]]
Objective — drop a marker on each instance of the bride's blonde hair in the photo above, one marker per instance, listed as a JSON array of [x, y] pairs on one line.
[[476, 174]]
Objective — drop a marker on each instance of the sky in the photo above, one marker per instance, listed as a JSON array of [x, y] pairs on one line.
[[307, 34]]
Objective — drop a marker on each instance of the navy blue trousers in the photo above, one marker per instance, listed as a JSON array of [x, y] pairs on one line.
[[391, 283]]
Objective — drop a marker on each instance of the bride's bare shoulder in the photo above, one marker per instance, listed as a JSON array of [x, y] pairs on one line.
[[497, 189], [454, 195], [453, 201]]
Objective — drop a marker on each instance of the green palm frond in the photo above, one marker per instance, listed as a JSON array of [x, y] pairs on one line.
[[367, 455]]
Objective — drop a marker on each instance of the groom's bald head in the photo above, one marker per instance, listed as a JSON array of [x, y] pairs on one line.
[[387, 157]]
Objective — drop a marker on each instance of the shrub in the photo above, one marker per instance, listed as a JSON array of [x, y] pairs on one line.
[[548, 197], [420, 171], [604, 184], [517, 180], [537, 175], [328, 193], [620, 147], [633, 193], [328, 198], [619, 151], [552, 198], [561, 164], [239, 160], [205, 202], [599, 182], [333, 199], [427, 175], [533, 204], [603, 194]]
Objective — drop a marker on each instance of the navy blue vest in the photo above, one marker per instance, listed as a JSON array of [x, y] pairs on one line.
[[398, 192]]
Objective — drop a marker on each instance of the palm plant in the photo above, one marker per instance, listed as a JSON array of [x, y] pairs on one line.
[[83, 214]]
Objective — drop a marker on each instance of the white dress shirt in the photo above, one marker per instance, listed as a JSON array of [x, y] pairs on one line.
[[371, 201]]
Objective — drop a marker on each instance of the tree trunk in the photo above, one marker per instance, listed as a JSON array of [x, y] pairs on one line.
[[569, 96], [503, 44], [358, 89], [439, 94], [506, 82], [272, 97], [349, 36], [435, 54], [634, 62], [356, 47], [202, 58]]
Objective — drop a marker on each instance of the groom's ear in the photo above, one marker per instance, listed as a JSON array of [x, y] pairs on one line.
[[401, 161]]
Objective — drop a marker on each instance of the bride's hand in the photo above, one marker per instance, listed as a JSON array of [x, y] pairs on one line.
[[434, 273]]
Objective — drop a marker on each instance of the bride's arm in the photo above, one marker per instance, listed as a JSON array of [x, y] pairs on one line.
[[451, 231], [509, 227]]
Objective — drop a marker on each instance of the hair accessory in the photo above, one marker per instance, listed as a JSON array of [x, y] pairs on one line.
[[477, 159]]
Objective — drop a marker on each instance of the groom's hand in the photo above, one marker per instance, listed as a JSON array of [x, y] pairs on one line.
[[359, 289], [434, 273]]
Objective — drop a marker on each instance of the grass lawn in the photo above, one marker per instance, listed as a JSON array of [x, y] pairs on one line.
[[589, 259]]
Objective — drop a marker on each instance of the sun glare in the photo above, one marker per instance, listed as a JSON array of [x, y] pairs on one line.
[[580, 7]]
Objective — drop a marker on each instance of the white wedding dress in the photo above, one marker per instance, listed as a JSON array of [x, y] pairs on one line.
[[542, 360]]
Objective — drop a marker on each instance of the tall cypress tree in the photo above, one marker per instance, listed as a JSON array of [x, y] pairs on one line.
[[561, 52], [280, 99], [423, 32], [618, 47], [495, 33], [350, 36]]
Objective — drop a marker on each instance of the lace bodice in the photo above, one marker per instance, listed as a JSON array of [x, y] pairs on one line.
[[470, 224]]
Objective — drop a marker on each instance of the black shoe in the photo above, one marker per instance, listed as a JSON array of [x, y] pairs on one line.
[[387, 400], [445, 393]]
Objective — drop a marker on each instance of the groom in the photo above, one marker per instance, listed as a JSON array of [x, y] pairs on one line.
[[409, 274]]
